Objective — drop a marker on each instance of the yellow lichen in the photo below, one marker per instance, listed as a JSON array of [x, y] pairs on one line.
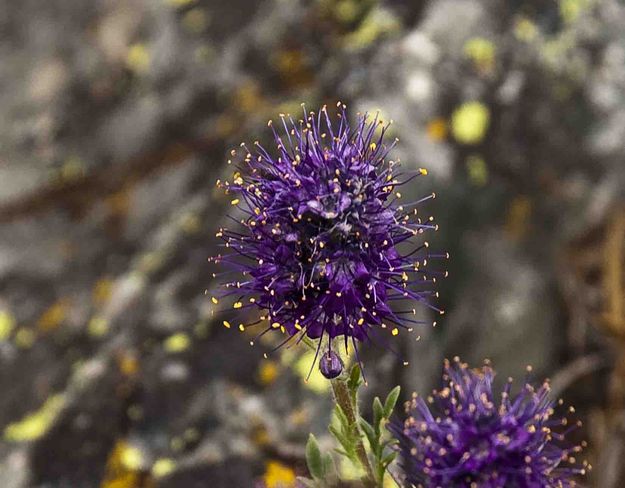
[[278, 475], [138, 58], [53, 316], [469, 122], [7, 324], [36, 424], [177, 343], [267, 372], [162, 467]]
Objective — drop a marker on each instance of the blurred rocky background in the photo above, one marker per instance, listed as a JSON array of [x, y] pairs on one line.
[[118, 117]]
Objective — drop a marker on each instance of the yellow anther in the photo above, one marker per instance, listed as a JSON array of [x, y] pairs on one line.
[[235, 201], [423, 171], [237, 305], [226, 324], [395, 331], [214, 300], [361, 321], [275, 325]]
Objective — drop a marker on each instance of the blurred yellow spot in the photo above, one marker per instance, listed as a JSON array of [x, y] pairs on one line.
[[437, 129], [518, 218], [347, 10], [482, 52], [227, 324], [72, 169], [176, 444], [195, 20], [525, 30], [25, 338], [292, 66], [261, 437], [190, 223], [317, 382], [570, 10], [98, 327], [377, 23], [278, 475], [177, 343], [395, 331], [36, 424], [102, 291], [7, 324], [128, 363], [53, 316], [235, 201], [214, 300], [237, 305], [162, 467], [138, 58], [477, 170], [248, 97], [132, 458], [124, 468], [299, 416], [268, 372], [469, 122]]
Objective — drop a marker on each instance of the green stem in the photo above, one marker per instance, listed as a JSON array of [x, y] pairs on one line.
[[344, 400]]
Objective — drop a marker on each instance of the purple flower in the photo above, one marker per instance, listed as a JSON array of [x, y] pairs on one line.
[[463, 437], [324, 247]]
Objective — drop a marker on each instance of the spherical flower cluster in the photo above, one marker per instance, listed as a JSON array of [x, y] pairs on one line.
[[463, 437], [323, 243]]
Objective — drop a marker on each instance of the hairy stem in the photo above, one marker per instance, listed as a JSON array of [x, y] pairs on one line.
[[344, 400]]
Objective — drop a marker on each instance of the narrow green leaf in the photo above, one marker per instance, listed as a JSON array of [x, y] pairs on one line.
[[340, 437], [389, 458], [378, 414], [391, 401], [355, 379], [329, 469], [313, 458], [370, 433], [338, 411]]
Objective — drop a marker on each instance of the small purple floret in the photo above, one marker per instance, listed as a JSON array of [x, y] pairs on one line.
[[463, 437], [330, 365], [324, 246]]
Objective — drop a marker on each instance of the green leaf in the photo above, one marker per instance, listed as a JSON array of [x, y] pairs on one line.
[[345, 442], [391, 401], [378, 414], [389, 458], [355, 379], [370, 433], [313, 458], [338, 411], [328, 465]]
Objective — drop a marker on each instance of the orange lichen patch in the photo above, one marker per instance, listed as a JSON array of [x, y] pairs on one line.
[[437, 129], [268, 372], [292, 66], [102, 291], [518, 217], [128, 363], [54, 316], [278, 475], [118, 203], [260, 436], [248, 97]]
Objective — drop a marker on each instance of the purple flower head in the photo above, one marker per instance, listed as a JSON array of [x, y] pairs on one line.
[[324, 246], [462, 436]]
